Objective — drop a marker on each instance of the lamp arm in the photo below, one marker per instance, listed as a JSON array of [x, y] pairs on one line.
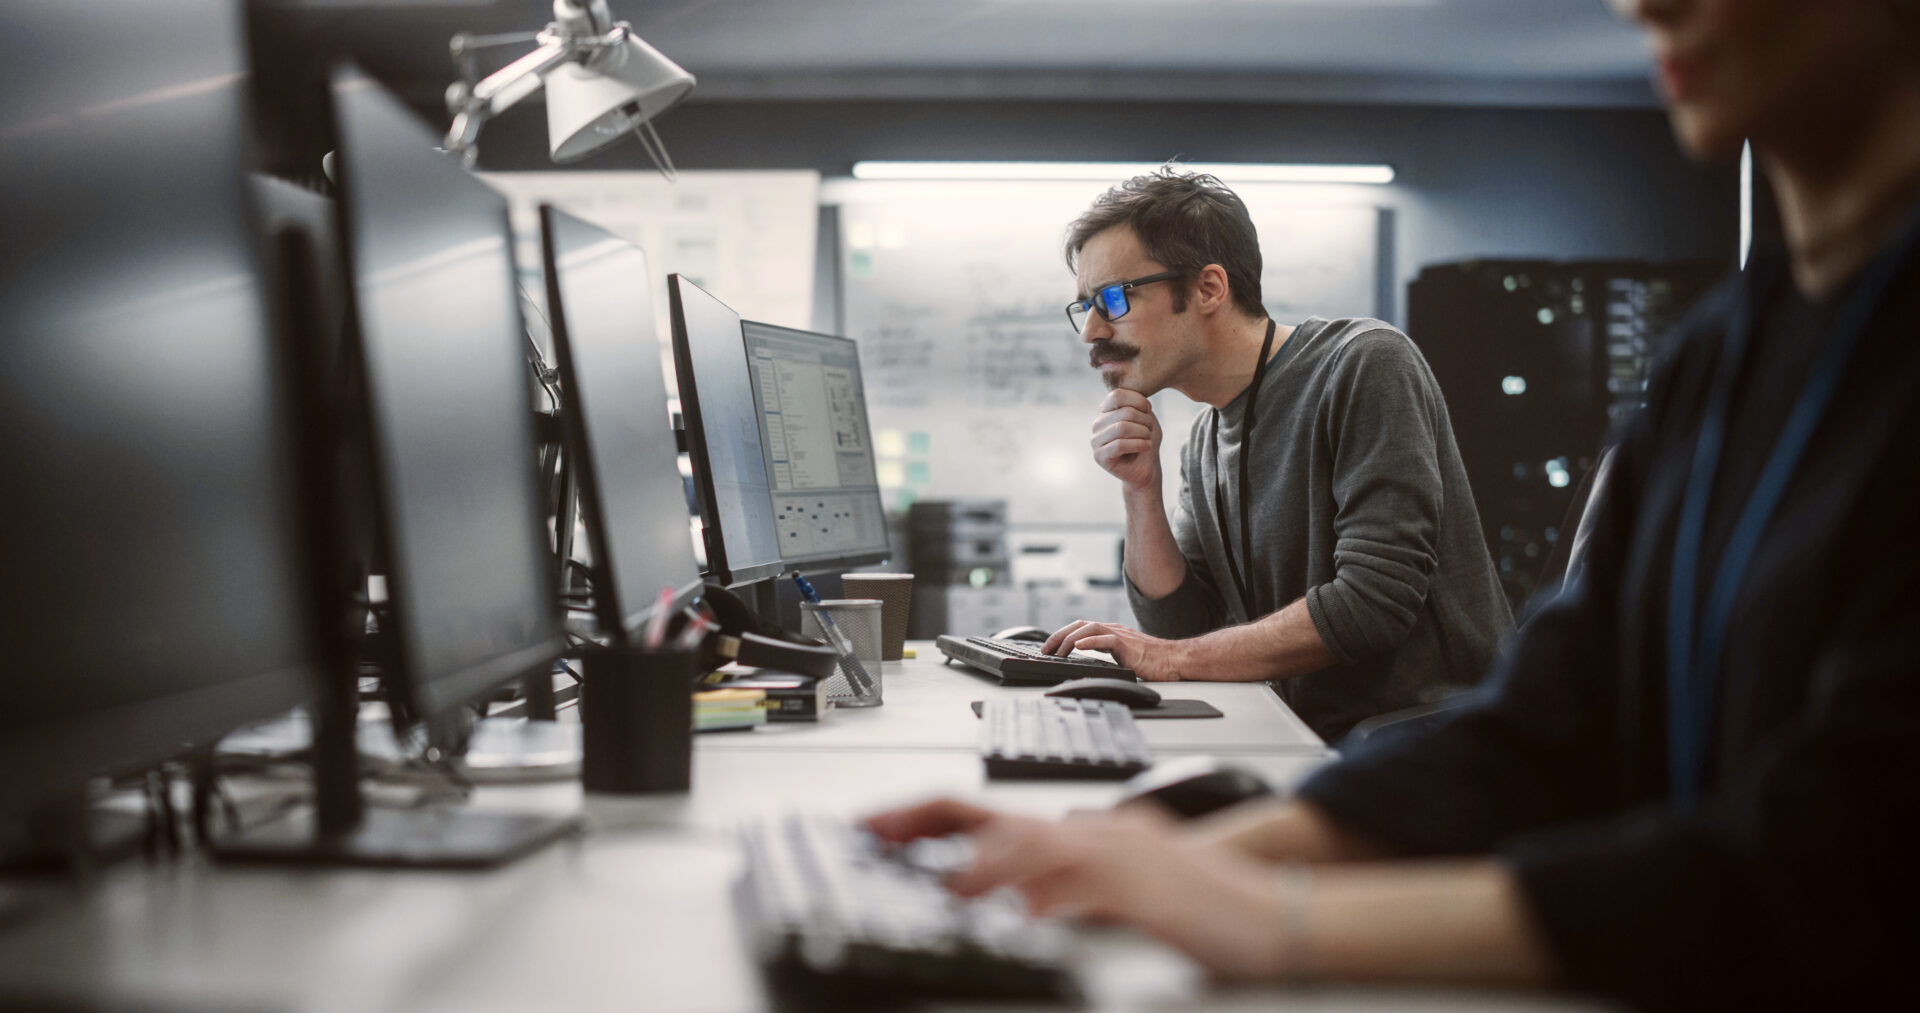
[[503, 88], [466, 42], [498, 91]]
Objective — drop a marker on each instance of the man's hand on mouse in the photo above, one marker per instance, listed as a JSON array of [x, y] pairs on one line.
[[1126, 439], [1151, 658]]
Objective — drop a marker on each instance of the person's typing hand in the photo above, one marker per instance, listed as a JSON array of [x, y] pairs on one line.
[[1126, 439], [1127, 867], [1151, 658]]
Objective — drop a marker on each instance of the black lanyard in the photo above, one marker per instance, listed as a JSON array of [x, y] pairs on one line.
[[1219, 495], [1694, 650]]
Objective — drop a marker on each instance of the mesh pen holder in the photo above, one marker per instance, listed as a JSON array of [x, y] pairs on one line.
[[858, 620]]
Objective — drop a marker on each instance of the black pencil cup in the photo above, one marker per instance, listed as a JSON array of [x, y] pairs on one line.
[[637, 708]]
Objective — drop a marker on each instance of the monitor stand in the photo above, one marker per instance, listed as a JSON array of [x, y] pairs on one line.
[[72, 834], [339, 828], [429, 838], [513, 749], [766, 600]]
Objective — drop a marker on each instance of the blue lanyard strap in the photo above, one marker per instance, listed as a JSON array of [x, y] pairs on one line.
[[1694, 659]]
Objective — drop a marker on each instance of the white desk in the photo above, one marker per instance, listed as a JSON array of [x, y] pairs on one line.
[[633, 914], [927, 708]]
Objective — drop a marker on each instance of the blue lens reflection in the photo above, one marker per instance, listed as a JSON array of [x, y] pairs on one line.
[[1115, 299]]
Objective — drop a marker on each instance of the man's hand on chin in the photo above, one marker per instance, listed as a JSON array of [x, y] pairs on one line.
[[1126, 439], [1151, 658]]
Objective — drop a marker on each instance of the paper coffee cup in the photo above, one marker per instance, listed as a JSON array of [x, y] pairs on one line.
[[895, 591]]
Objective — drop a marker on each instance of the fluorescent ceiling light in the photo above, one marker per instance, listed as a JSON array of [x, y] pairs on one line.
[[1235, 172]]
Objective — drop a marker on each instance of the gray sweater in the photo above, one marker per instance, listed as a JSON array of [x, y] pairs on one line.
[[1361, 507]]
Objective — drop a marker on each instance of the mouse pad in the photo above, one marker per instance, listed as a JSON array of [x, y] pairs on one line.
[[1166, 709]]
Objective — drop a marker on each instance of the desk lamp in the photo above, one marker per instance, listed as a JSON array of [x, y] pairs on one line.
[[602, 82]]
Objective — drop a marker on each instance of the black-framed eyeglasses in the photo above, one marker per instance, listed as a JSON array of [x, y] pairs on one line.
[[1110, 302]]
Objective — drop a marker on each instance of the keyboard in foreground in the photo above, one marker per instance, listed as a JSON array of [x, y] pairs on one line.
[[1057, 737], [1021, 663], [830, 911]]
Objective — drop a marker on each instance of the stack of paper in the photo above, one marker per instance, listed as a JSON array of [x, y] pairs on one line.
[[718, 709]]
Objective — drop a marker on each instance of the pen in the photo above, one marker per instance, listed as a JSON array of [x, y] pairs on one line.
[[856, 672], [695, 630], [657, 623]]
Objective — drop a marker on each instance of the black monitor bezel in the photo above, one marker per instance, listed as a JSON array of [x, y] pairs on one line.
[[718, 566], [824, 562], [422, 698], [616, 617]]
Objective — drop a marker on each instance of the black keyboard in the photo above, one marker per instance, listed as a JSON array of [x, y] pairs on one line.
[[1020, 663], [829, 911], [1056, 737]]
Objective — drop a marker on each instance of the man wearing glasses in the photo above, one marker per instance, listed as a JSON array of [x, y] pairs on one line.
[[1323, 536]]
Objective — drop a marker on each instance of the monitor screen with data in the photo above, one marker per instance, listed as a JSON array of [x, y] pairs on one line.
[[618, 424], [817, 446]]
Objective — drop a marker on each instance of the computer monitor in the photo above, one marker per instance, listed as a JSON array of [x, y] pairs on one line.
[[723, 436], [449, 407], [818, 447], [157, 575], [620, 432], [301, 230], [443, 400]]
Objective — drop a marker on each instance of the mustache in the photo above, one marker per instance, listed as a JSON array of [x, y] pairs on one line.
[[1109, 350]]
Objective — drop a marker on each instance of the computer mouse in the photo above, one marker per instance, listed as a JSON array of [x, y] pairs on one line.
[[1194, 786], [1133, 694], [1033, 633]]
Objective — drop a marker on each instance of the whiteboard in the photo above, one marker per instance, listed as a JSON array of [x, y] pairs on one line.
[[977, 385]]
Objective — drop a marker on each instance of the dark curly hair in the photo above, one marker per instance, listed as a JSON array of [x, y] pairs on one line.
[[1185, 220]]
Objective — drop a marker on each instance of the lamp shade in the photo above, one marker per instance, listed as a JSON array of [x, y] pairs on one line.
[[591, 106]]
